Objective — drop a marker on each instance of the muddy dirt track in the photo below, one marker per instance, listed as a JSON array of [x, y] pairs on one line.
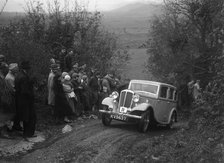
[[93, 142]]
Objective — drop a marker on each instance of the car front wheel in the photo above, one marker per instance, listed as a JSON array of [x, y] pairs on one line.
[[106, 120], [144, 122]]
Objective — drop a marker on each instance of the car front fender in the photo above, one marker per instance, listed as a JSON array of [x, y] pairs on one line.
[[141, 107], [110, 102]]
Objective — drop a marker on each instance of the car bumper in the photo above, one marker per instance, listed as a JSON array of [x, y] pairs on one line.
[[122, 114]]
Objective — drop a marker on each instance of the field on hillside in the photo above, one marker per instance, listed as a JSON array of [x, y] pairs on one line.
[[133, 40], [136, 66]]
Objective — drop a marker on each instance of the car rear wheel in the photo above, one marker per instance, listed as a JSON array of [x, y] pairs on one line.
[[144, 122], [172, 120], [106, 120]]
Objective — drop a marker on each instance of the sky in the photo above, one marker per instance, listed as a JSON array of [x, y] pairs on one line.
[[100, 5]]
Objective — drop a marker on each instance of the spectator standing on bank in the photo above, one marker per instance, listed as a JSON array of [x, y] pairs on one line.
[[69, 92], [75, 81], [78, 92], [94, 89], [190, 90], [85, 93], [75, 69], [50, 84], [197, 90], [25, 99], [62, 107], [61, 58], [10, 83], [10, 77], [82, 72], [108, 84], [68, 61]]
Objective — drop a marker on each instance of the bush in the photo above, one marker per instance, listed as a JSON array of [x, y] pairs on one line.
[[40, 35]]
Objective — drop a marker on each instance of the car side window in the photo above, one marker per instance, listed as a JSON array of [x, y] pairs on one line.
[[163, 92], [171, 93]]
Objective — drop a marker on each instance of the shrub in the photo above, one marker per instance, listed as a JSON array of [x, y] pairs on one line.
[[40, 35]]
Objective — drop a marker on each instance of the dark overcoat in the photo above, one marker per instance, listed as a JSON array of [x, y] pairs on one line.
[[24, 97], [94, 88], [62, 107]]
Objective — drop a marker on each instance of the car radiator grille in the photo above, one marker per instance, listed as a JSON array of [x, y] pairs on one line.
[[125, 99]]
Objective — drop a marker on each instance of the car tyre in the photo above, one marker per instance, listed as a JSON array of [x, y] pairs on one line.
[[173, 119], [144, 122], [106, 120]]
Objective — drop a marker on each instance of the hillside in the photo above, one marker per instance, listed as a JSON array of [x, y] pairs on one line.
[[132, 18], [131, 22]]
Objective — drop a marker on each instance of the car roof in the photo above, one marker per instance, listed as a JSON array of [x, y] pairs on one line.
[[151, 82]]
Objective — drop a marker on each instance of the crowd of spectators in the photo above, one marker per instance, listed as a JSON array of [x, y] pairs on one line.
[[73, 91]]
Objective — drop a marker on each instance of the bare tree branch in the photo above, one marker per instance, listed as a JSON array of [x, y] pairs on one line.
[[3, 7]]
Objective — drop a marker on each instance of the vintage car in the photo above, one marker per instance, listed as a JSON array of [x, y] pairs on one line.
[[148, 103]]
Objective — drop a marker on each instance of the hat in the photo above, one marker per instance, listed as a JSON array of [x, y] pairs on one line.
[[25, 65], [55, 66], [64, 74], [13, 66], [67, 77]]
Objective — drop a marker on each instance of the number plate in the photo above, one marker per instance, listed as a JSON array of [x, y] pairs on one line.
[[119, 117]]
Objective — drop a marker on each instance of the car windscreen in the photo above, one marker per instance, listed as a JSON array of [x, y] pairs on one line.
[[144, 87]]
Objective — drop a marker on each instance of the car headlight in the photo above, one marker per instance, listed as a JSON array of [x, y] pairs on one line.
[[136, 98], [115, 95]]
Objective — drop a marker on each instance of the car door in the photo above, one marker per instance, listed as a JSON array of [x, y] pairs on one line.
[[162, 104]]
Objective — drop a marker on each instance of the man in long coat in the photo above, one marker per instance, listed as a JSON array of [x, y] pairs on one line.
[[50, 85], [94, 88], [25, 100]]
